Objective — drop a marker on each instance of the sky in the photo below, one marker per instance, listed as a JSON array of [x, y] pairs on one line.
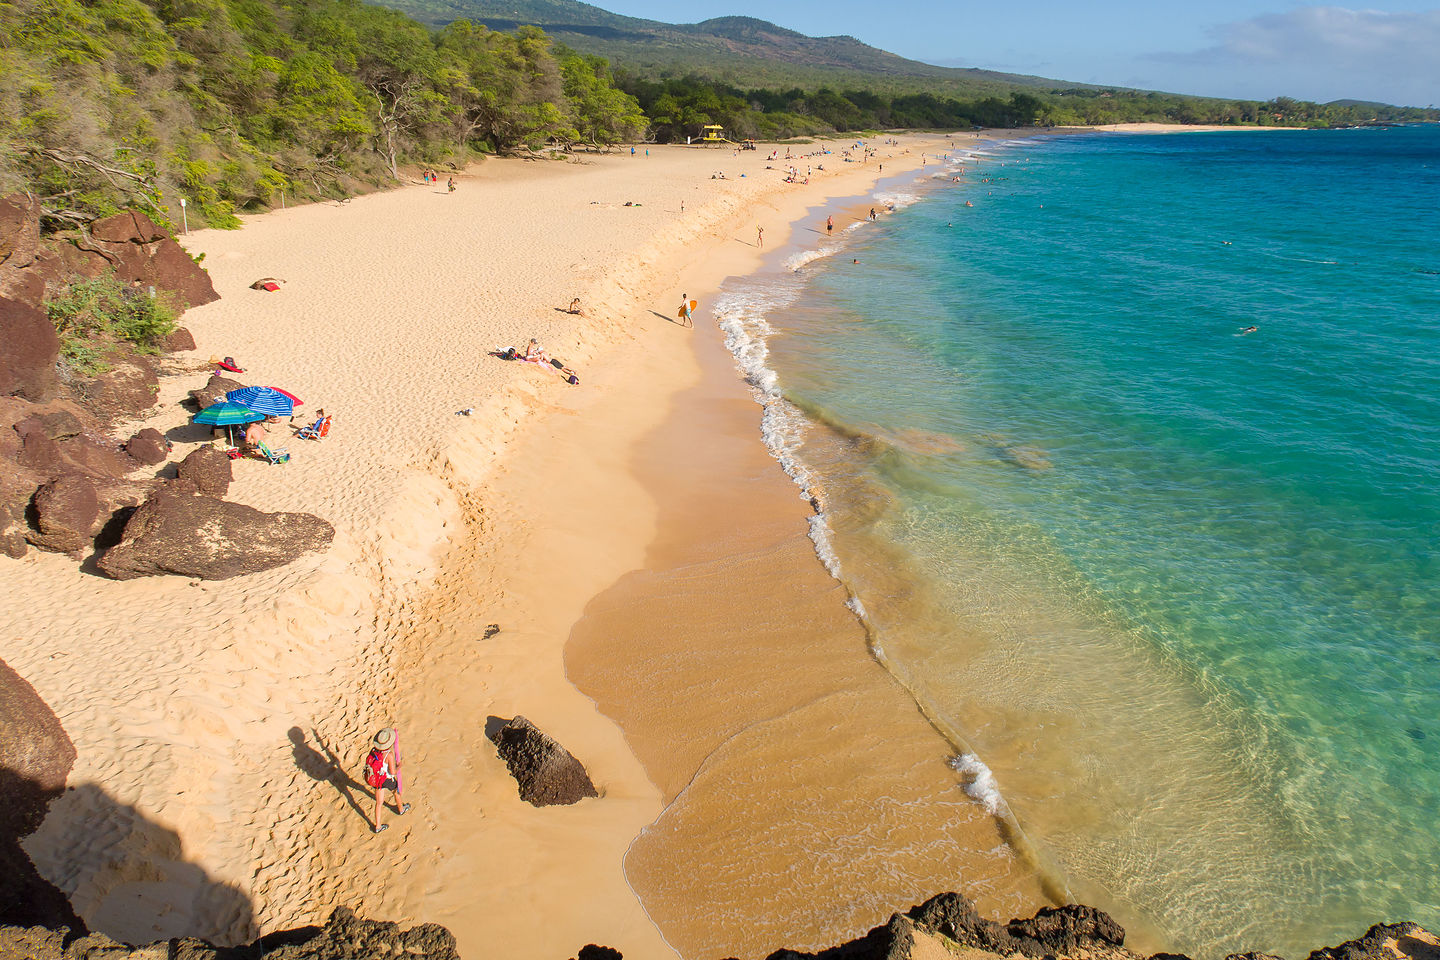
[[1222, 48]]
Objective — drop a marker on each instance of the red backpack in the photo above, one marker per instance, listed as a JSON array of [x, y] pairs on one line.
[[376, 772]]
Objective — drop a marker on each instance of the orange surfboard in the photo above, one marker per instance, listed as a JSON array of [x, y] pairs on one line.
[[693, 305]]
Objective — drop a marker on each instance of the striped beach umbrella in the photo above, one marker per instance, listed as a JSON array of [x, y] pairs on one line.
[[266, 400], [228, 414]]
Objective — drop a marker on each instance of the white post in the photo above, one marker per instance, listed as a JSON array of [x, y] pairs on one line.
[[184, 217]]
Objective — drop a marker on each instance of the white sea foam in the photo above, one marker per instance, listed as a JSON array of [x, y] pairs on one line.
[[742, 315], [980, 783], [899, 199], [796, 261]]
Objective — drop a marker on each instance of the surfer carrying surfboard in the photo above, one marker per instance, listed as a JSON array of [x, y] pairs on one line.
[[382, 772], [687, 309]]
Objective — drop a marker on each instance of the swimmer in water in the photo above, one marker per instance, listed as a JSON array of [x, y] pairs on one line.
[[1248, 330]]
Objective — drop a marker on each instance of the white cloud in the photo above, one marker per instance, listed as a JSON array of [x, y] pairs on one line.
[[1323, 53]]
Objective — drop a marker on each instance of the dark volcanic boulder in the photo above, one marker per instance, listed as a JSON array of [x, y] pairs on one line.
[[546, 772], [172, 269], [1067, 930], [348, 937], [214, 391], [344, 937], [64, 514], [193, 535], [148, 446], [56, 424], [209, 469], [19, 235], [16, 490], [180, 339], [1384, 941], [127, 389], [132, 226], [35, 759], [593, 951], [139, 250], [31, 347]]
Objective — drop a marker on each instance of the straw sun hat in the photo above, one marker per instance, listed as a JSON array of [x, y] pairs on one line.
[[384, 738]]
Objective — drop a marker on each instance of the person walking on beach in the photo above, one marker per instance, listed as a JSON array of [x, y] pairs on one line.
[[829, 224], [450, 184], [760, 237], [686, 310], [382, 772]]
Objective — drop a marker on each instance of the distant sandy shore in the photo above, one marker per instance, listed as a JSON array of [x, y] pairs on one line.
[[207, 716]]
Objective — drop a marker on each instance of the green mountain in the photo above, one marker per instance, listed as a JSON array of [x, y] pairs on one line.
[[741, 51]]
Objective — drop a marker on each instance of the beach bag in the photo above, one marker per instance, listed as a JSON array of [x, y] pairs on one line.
[[375, 772], [574, 379]]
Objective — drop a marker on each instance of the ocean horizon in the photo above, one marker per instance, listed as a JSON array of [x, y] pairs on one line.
[[1125, 449]]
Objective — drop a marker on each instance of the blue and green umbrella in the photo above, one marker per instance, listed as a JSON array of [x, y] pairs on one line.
[[226, 414]]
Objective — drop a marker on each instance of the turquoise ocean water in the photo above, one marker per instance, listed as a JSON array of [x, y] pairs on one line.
[[1171, 588]]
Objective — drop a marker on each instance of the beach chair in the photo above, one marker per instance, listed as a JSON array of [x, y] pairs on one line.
[[316, 431], [274, 456]]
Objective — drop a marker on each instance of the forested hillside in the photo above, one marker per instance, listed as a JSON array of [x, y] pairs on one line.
[[232, 103]]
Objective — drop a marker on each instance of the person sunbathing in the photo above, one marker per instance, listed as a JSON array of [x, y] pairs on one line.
[[534, 354], [575, 307]]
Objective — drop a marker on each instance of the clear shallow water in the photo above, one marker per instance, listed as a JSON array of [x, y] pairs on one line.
[[1173, 584]]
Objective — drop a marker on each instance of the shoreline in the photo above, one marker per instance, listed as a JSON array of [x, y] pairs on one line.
[[258, 689], [215, 745]]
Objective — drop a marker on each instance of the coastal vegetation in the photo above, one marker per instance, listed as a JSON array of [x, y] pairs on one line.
[[239, 105], [93, 314], [235, 104]]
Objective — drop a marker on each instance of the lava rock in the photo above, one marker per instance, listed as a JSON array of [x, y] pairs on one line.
[[344, 937], [1384, 941], [547, 773], [64, 514], [179, 340], [1067, 929], [148, 446], [131, 226], [593, 951], [19, 234], [124, 391], [209, 469], [192, 535], [214, 391], [27, 362], [57, 425], [35, 758]]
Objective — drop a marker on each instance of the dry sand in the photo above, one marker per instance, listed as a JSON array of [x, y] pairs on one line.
[[211, 718]]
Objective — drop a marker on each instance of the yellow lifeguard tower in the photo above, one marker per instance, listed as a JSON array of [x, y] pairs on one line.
[[714, 133]]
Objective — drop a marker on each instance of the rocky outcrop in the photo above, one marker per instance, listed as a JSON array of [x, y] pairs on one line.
[[177, 340], [181, 531], [128, 388], [344, 937], [137, 249], [148, 446], [1385, 941], [19, 243], [208, 469], [65, 514], [31, 347], [214, 391], [35, 758], [546, 772], [1069, 931]]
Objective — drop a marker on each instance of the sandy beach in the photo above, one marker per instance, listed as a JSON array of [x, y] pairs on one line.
[[210, 717]]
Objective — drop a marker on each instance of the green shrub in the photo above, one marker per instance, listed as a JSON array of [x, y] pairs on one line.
[[92, 315]]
